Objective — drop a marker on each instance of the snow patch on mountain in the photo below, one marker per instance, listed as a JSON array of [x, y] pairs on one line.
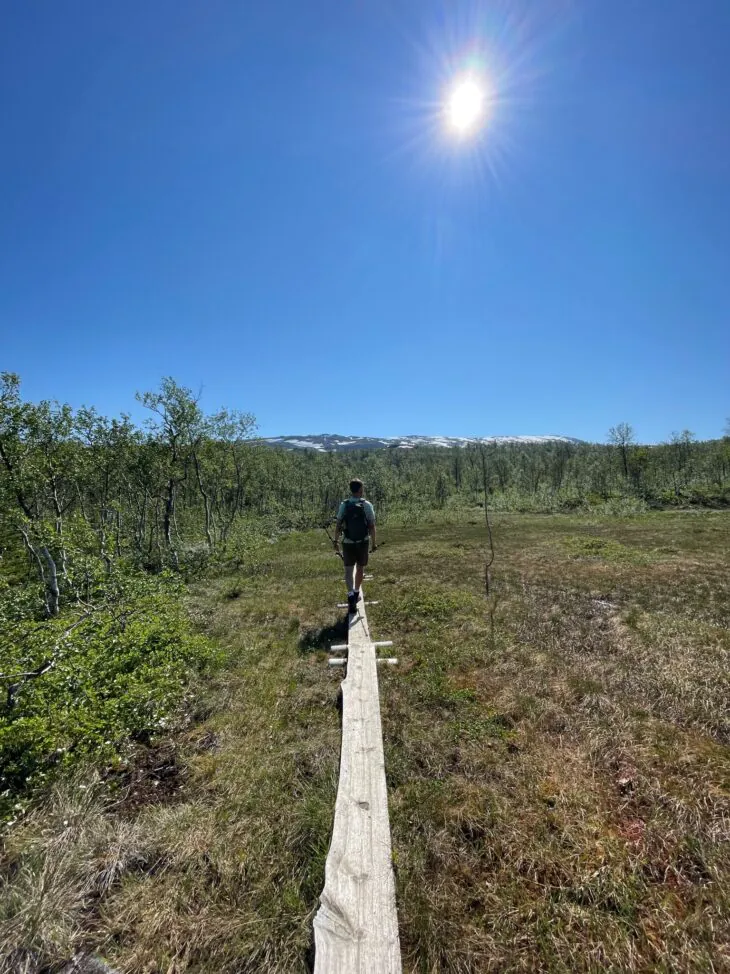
[[326, 442]]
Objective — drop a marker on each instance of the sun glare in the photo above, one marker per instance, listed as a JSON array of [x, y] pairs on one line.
[[465, 106]]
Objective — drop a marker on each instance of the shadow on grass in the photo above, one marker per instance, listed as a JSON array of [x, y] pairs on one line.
[[315, 640]]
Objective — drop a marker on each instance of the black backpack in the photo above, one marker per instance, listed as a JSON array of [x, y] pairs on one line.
[[355, 522]]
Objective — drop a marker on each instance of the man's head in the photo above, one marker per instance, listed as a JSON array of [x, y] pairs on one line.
[[356, 488]]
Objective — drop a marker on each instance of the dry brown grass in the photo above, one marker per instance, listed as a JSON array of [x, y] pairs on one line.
[[587, 829], [559, 770]]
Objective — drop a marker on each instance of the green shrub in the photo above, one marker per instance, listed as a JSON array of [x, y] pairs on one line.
[[604, 549], [120, 674], [707, 495]]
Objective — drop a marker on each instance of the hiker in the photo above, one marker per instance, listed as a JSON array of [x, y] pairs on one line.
[[357, 518]]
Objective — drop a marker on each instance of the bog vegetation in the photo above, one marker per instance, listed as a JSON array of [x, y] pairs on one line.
[[102, 521], [557, 764]]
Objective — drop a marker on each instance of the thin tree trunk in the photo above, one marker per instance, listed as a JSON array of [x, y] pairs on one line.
[[52, 586], [41, 571], [81, 503], [169, 510], [206, 502], [625, 459], [59, 531]]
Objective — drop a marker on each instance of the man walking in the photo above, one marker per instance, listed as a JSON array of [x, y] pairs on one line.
[[356, 518]]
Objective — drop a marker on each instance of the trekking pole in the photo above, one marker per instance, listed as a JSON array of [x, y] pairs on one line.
[[334, 543]]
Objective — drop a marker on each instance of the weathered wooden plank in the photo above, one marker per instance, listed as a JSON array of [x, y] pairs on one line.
[[356, 927]]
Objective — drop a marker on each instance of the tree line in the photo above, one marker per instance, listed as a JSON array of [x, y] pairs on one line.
[[81, 492]]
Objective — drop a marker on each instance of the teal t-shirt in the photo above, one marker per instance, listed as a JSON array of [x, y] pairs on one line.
[[369, 515]]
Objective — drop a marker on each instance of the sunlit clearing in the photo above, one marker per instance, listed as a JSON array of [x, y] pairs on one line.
[[465, 106]]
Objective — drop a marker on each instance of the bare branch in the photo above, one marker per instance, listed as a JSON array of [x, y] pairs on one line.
[[18, 679]]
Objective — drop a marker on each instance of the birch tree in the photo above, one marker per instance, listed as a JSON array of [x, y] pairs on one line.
[[622, 437]]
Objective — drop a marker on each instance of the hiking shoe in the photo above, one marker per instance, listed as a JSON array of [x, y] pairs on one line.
[[351, 603], [357, 596]]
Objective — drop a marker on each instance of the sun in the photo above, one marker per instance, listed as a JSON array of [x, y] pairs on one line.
[[465, 105]]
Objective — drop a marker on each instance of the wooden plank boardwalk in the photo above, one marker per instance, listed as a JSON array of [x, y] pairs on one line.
[[356, 927]]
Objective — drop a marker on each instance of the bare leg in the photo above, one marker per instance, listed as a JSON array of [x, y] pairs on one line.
[[358, 576], [349, 572]]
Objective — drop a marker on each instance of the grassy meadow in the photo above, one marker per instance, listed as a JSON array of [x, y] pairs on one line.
[[557, 756]]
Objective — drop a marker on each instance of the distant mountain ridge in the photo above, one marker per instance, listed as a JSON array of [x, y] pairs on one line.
[[326, 442]]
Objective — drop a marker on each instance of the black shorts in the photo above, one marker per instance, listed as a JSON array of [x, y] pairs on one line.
[[355, 553]]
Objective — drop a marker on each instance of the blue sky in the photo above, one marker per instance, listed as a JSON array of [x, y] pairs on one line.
[[263, 201]]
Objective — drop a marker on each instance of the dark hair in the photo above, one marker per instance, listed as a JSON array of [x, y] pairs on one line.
[[355, 486]]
